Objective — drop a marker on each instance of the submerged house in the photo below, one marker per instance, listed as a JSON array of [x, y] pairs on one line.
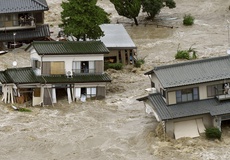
[[22, 21], [121, 46], [190, 96], [71, 69]]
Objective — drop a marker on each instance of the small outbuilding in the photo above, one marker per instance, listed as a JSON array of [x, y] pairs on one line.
[[121, 46]]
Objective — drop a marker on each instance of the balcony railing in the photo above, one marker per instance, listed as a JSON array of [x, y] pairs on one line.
[[17, 24], [83, 71], [223, 94]]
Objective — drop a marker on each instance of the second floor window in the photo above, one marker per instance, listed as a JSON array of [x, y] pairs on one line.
[[186, 95], [83, 67]]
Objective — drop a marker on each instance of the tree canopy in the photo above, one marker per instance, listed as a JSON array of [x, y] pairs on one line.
[[153, 7], [128, 8], [131, 8], [81, 18]]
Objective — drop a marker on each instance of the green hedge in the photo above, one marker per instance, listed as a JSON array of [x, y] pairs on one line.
[[116, 66], [213, 133]]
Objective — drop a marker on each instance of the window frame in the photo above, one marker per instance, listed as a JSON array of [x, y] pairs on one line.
[[187, 95]]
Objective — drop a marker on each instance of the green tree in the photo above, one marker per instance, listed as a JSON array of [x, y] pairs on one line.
[[81, 18], [153, 7], [128, 8]]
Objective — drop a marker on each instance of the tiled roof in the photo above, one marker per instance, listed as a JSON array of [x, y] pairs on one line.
[[4, 78], [116, 37], [18, 75], [68, 47], [193, 72], [41, 31], [209, 106], [81, 78], [26, 75], [16, 6]]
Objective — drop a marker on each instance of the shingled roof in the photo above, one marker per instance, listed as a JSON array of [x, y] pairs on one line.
[[193, 72], [68, 47], [17, 6], [167, 112], [41, 31]]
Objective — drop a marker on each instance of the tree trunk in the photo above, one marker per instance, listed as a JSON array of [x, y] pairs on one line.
[[135, 20]]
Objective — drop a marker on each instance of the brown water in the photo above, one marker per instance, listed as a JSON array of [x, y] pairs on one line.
[[117, 127]]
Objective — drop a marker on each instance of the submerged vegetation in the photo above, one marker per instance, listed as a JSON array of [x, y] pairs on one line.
[[186, 54], [188, 20], [213, 133]]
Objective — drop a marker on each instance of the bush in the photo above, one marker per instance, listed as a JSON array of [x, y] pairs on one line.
[[139, 62], [188, 20], [116, 66], [24, 110], [186, 54], [213, 133], [182, 54]]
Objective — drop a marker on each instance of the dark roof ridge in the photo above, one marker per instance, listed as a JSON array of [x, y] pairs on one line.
[[189, 62], [62, 42], [16, 68], [39, 2]]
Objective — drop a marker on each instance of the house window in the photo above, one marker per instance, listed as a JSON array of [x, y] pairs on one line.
[[187, 95], [37, 92], [1, 20], [83, 67], [214, 90], [152, 84], [7, 17], [57, 67], [91, 92], [163, 93], [36, 64]]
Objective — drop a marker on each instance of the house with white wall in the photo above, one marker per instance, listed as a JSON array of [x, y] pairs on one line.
[[190, 96], [74, 69]]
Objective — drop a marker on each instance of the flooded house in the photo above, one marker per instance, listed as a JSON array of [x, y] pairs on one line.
[[59, 69], [191, 96], [22, 21], [121, 46]]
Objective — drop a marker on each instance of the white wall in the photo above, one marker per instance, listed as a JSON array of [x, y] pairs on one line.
[[68, 59]]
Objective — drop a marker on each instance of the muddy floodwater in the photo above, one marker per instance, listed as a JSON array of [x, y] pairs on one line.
[[118, 128]]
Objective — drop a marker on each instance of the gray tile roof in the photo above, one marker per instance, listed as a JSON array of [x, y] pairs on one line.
[[41, 31], [68, 47], [193, 72], [17, 6], [209, 106], [116, 37]]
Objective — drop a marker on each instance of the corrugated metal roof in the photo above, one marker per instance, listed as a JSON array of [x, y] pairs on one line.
[[209, 106], [68, 47], [116, 36], [16, 6], [193, 72], [41, 31], [81, 78]]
